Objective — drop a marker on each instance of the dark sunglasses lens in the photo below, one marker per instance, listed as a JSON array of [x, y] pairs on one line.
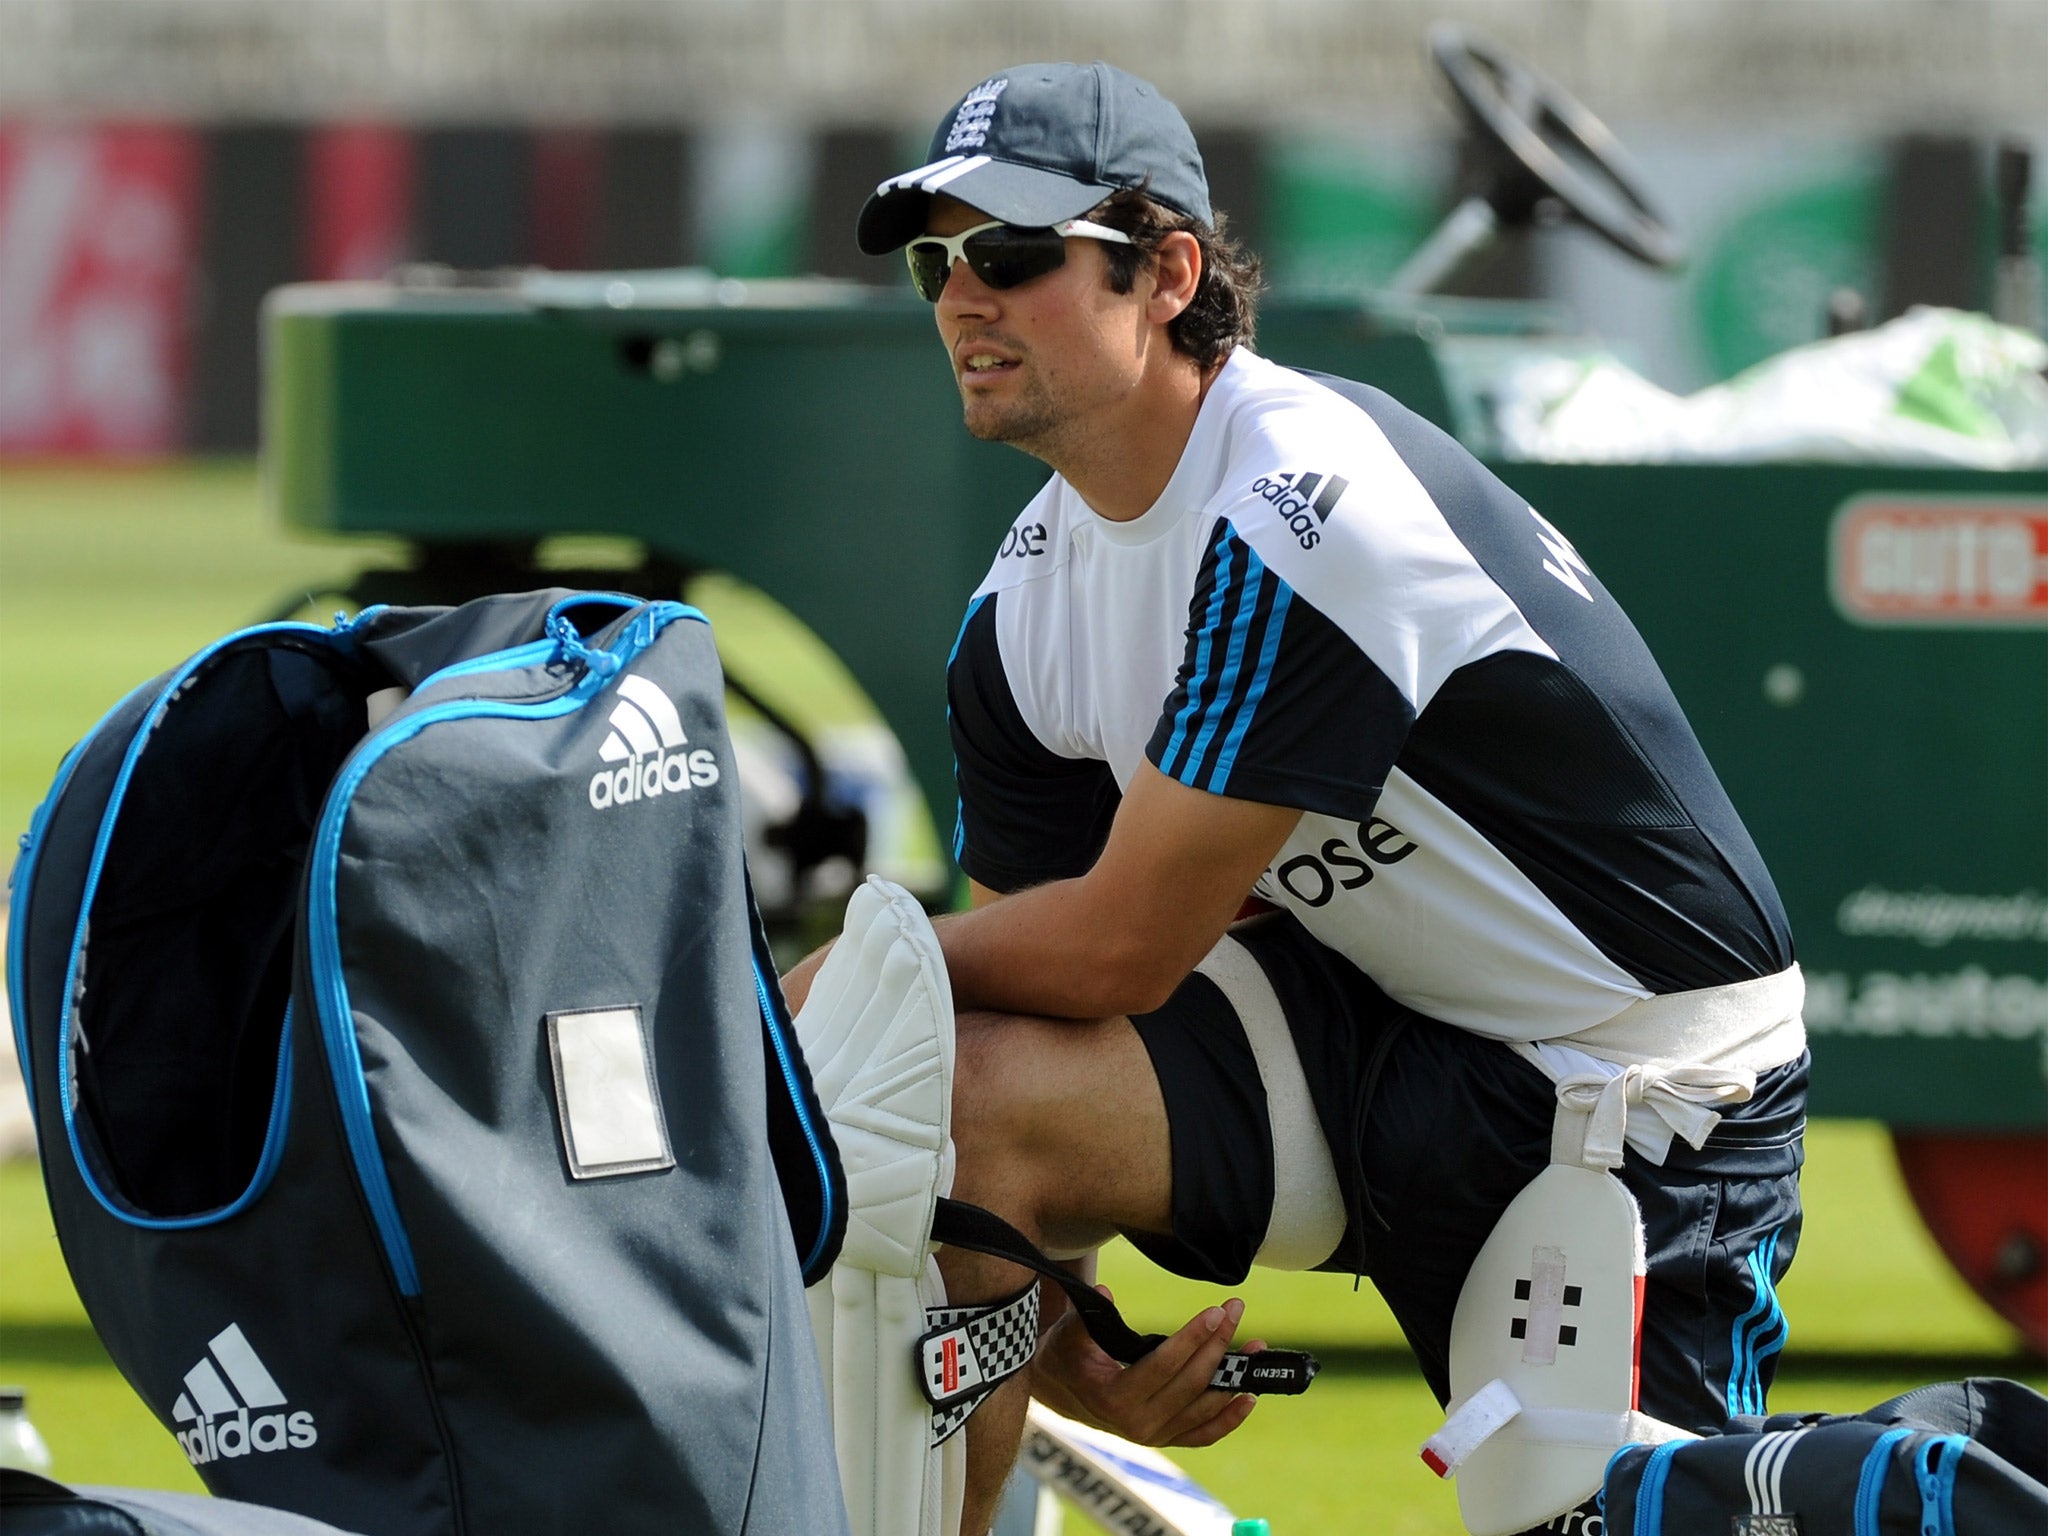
[[929, 265], [1003, 258]]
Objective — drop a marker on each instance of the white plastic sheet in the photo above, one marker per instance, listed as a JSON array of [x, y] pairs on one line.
[[1935, 386]]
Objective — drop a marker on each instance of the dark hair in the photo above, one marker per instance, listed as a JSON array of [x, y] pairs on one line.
[[1225, 310]]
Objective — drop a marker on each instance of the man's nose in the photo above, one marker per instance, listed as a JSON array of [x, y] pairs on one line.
[[965, 293]]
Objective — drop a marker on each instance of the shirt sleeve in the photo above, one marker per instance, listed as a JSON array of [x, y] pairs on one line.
[[1027, 814], [1274, 702]]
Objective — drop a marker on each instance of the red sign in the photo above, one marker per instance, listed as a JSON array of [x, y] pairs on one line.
[[359, 182], [97, 233], [1942, 560]]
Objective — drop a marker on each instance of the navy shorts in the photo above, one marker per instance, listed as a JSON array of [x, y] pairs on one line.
[[1433, 1131]]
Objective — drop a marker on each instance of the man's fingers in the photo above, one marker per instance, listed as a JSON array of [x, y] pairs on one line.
[[1207, 1333], [1163, 1399], [1195, 1373], [1232, 1412]]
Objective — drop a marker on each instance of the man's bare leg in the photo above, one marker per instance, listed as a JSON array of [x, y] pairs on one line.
[[1060, 1129]]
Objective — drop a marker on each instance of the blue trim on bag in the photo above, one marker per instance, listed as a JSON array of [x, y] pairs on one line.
[[492, 661], [330, 989], [1877, 1462], [19, 880], [267, 1164], [617, 599], [275, 1130], [796, 1099], [1607, 1472], [1649, 1512]]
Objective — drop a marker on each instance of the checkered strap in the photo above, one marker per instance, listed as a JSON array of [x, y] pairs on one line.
[[1286, 1372], [970, 1351]]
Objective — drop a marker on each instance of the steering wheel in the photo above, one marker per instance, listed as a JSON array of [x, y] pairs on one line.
[[1546, 145]]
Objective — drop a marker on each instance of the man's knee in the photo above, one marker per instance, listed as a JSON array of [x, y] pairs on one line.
[[996, 1108], [1058, 1125]]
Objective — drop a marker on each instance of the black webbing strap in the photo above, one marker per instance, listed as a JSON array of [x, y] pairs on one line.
[[1285, 1372]]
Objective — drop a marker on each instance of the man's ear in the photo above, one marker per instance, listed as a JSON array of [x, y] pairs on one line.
[[1176, 273]]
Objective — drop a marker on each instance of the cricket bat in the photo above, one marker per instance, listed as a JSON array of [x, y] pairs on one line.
[[1129, 1489]]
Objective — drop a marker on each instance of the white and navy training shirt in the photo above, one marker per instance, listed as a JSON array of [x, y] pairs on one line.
[[1508, 824]]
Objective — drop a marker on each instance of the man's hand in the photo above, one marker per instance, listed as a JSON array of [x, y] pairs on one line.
[[1165, 1399]]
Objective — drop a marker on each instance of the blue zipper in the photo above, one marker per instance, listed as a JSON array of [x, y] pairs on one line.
[[612, 599], [108, 818], [796, 1099], [493, 661], [19, 881], [330, 989], [1870, 1481]]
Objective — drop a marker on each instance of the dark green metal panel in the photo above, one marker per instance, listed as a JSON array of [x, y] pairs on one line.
[[815, 451], [1904, 761]]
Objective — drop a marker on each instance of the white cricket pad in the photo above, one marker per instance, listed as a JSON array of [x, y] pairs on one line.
[[1543, 1353], [877, 1032]]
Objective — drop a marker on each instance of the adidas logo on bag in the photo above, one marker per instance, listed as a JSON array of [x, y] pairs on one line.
[[646, 741], [221, 1392]]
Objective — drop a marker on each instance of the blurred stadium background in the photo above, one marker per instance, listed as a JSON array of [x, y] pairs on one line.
[[164, 163]]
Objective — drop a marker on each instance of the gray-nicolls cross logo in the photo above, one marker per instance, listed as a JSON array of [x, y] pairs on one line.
[[1544, 1329]]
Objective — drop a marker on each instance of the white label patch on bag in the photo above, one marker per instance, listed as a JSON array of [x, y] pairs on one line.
[[604, 1088]]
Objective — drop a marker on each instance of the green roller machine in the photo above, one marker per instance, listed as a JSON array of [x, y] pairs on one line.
[[1863, 649]]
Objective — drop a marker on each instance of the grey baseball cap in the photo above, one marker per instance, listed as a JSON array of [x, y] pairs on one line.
[[1041, 143]]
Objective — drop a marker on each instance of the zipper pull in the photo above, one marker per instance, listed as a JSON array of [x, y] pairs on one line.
[[571, 647], [345, 626]]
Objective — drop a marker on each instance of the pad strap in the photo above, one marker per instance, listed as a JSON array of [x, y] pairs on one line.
[[1285, 1372], [970, 1351]]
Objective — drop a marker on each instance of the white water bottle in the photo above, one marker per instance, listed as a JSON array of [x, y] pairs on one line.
[[20, 1446]]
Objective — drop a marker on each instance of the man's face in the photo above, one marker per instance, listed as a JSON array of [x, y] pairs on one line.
[[1043, 365]]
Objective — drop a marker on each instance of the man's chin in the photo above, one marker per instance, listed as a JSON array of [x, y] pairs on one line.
[[1002, 427]]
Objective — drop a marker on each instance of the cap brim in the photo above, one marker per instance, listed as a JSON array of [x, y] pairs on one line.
[[1016, 194]]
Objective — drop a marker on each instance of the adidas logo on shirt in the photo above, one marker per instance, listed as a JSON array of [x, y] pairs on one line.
[[221, 1392], [1290, 495], [646, 741]]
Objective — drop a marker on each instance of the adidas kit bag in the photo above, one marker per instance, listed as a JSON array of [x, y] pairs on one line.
[[420, 1115], [1962, 1458], [35, 1506]]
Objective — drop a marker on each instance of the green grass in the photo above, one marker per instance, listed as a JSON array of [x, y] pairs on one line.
[[1873, 1308], [108, 578]]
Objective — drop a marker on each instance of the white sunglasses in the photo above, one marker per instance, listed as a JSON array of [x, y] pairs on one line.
[[1001, 255]]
